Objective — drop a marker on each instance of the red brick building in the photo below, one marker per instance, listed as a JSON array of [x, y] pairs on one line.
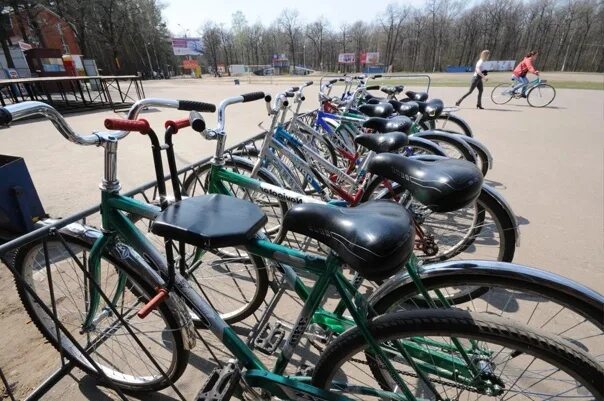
[[55, 32]]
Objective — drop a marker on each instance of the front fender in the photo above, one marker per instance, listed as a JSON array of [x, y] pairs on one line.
[[506, 206], [462, 145], [556, 286]]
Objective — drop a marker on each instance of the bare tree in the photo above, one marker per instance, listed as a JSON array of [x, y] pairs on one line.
[[290, 23]]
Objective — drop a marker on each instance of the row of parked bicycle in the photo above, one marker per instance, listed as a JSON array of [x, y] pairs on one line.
[[370, 212]]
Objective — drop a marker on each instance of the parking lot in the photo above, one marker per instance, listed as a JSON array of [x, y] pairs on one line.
[[548, 164]]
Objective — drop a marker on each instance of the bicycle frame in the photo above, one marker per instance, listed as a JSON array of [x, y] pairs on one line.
[[328, 269]]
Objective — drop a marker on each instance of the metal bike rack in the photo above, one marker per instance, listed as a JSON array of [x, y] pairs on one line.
[[148, 192]]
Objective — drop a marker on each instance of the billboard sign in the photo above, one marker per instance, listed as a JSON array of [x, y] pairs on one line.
[[346, 58], [280, 60], [187, 46], [189, 64], [370, 58]]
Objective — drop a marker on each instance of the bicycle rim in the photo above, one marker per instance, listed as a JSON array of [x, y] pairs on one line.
[[509, 361], [541, 95], [108, 342], [501, 94], [529, 303]]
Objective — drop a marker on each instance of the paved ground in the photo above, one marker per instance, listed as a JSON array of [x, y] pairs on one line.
[[548, 164]]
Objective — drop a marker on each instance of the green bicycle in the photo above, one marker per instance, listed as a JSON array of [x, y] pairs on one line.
[[414, 355], [538, 92]]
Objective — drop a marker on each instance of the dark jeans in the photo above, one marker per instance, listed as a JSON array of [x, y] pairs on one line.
[[476, 83]]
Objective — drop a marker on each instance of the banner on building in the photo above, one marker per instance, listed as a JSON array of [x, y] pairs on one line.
[[187, 46], [346, 58], [189, 64], [370, 58], [280, 60]]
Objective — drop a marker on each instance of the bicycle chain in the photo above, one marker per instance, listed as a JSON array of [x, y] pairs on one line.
[[409, 374]]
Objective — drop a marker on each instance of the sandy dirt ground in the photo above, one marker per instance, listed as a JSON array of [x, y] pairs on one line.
[[548, 163]]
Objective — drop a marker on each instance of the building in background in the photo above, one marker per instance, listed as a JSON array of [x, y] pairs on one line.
[[43, 44]]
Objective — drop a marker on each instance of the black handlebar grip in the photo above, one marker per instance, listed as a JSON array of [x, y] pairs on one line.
[[294, 89], [308, 83], [250, 97], [372, 88], [197, 121], [268, 98], [189, 105], [5, 116], [333, 81], [377, 76], [289, 94]]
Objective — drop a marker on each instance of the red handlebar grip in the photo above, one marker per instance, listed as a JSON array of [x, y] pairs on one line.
[[177, 124], [150, 306], [140, 125]]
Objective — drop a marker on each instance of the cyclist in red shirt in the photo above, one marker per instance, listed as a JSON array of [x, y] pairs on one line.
[[523, 68]]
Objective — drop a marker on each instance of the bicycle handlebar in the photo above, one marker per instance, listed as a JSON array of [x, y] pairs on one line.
[[247, 97], [118, 124], [34, 108], [197, 122], [188, 105]]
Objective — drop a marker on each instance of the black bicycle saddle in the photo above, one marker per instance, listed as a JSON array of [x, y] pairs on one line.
[[442, 185], [375, 238]]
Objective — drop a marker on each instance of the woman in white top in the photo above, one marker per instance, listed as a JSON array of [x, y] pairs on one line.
[[479, 76]]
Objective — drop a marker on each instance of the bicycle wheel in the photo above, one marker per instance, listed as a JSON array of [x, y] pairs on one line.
[[501, 94], [108, 342], [515, 293], [482, 230], [506, 360], [453, 123], [541, 95], [197, 183], [453, 145], [449, 123]]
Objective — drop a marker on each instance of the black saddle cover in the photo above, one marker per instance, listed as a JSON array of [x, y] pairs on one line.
[[210, 221], [394, 124], [377, 110], [431, 109], [380, 143], [409, 109], [442, 185], [421, 96], [375, 238]]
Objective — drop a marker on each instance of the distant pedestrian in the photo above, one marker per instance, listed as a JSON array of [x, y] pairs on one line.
[[523, 68], [480, 74]]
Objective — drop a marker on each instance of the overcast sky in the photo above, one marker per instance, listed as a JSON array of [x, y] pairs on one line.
[[181, 15]]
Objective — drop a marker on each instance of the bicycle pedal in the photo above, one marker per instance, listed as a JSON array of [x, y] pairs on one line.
[[269, 340], [305, 370], [221, 384]]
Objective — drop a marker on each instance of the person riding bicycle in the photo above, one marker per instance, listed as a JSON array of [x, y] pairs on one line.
[[523, 68]]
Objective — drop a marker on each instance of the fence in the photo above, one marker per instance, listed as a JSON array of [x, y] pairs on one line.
[[73, 94]]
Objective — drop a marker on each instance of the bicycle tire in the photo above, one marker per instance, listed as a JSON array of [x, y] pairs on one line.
[[460, 148], [109, 357], [500, 90], [482, 159], [523, 342], [464, 127], [540, 301], [536, 89]]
